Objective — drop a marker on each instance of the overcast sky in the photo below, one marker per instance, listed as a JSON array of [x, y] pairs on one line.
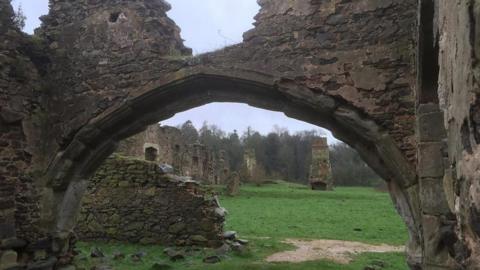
[[206, 25]]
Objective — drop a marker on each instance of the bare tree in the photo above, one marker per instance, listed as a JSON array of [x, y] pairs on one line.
[[19, 18]]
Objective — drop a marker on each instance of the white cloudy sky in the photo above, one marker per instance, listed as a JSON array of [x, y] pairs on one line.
[[206, 26]]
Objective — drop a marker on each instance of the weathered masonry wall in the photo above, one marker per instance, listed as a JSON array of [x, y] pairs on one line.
[[320, 169], [193, 160], [129, 200], [22, 119], [163, 138], [459, 95]]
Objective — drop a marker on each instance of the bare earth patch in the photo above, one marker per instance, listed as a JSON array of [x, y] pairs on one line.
[[342, 252]]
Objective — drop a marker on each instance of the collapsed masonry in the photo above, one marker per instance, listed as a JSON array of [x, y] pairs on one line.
[[133, 201], [165, 145]]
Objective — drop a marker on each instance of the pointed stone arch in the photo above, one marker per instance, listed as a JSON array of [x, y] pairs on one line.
[[68, 174]]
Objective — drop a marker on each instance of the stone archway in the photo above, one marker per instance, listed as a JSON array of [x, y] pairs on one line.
[[113, 67], [72, 168]]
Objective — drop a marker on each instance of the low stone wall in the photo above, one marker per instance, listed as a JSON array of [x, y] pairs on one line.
[[131, 201]]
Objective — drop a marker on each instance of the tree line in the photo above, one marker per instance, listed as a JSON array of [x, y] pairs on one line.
[[282, 155]]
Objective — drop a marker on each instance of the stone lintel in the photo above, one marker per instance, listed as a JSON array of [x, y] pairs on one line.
[[432, 197]]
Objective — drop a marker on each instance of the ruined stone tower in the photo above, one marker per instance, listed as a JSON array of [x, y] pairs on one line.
[[164, 145], [320, 169], [250, 163]]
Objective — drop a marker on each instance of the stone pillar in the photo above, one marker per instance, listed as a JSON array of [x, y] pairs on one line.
[[250, 163], [222, 168], [210, 173], [436, 214], [320, 168], [233, 184], [196, 170]]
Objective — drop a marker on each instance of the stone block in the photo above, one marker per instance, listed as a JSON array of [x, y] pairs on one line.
[[434, 252], [432, 197], [449, 188], [198, 238], [430, 127], [8, 259], [13, 243], [430, 160], [7, 230], [9, 116], [427, 108]]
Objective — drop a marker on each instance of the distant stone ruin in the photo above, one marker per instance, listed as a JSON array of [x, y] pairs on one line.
[[320, 168], [132, 201], [165, 145], [233, 185], [249, 164]]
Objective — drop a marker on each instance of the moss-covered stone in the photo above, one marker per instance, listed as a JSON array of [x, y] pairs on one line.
[[130, 205]]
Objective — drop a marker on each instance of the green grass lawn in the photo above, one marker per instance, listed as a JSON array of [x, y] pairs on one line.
[[269, 214], [294, 211]]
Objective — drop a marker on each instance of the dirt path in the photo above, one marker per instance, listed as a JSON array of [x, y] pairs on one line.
[[342, 252]]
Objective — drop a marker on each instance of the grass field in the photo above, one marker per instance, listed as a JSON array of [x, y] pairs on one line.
[[269, 214]]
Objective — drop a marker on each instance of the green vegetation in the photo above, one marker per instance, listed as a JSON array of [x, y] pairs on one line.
[[294, 211], [269, 214], [281, 155]]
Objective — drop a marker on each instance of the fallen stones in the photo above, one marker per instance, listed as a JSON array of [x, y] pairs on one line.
[[243, 241], [174, 255], [212, 259], [239, 248], [165, 169], [101, 267], [96, 253], [376, 265], [223, 250], [233, 244], [118, 256], [137, 256], [220, 212], [161, 266], [229, 235]]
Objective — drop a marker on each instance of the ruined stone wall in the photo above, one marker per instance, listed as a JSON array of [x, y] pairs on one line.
[[249, 163], [338, 48], [99, 48], [320, 169], [130, 200], [459, 95], [192, 160], [333, 43], [165, 139], [22, 119]]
